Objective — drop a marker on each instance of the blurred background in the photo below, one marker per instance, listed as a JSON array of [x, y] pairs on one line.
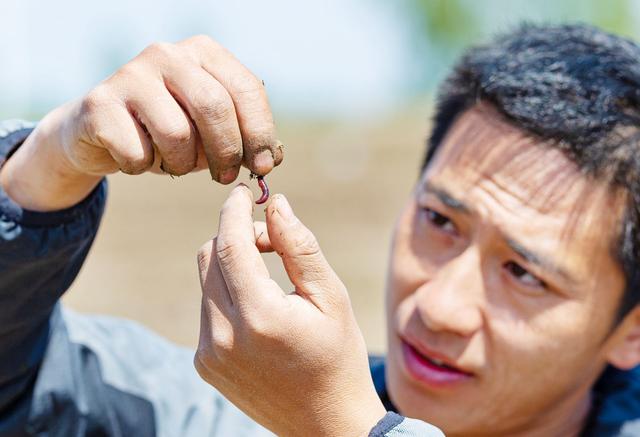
[[351, 83]]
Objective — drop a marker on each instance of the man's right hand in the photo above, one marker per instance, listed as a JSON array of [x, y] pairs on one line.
[[175, 108]]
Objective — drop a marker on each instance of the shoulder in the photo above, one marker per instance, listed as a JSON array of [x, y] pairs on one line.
[[616, 404]]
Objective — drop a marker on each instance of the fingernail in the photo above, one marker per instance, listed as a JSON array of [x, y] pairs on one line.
[[284, 209], [279, 153], [263, 162], [242, 186]]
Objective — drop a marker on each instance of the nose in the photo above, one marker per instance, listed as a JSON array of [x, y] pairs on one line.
[[451, 301]]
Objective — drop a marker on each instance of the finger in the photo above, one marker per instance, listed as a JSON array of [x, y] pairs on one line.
[[211, 108], [262, 237], [303, 260], [242, 267], [202, 163], [261, 151], [216, 330], [114, 131], [211, 280], [169, 127]]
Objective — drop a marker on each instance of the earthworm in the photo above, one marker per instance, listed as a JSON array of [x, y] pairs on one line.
[[265, 190]]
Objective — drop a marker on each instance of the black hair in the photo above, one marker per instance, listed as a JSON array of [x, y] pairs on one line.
[[574, 86]]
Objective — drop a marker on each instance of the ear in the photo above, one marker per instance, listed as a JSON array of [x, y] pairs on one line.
[[625, 350]]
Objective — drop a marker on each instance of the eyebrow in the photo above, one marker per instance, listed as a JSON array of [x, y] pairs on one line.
[[539, 260], [530, 256], [447, 198]]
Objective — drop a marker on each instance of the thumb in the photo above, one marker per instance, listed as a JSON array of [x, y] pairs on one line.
[[303, 260]]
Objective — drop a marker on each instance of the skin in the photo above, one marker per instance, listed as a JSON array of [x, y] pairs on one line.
[[534, 339], [180, 108], [510, 277], [176, 108], [297, 363]]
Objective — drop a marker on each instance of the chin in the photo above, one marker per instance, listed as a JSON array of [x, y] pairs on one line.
[[446, 411]]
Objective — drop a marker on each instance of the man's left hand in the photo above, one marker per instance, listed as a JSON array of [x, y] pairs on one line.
[[296, 363]]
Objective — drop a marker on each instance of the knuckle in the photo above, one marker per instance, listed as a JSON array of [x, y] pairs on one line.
[[204, 256], [129, 72], [305, 244], [102, 136], [222, 344], [96, 100], [134, 167], [130, 160], [177, 135], [213, 108], [340, 297], [225, 250], [215, 351], [259, 140], [230, 153], [246, 85], [102, 131], [178, 167], [142, 162], [202, 39], [205, 362], [178, 151], [202, 356], [255, 325], [160, 49], [200, 365], [150, 62], [201, 44]]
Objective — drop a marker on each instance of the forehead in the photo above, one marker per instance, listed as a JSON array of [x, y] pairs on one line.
[[528, 189]]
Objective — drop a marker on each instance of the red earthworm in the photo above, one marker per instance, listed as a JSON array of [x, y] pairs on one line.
[[265, 189]]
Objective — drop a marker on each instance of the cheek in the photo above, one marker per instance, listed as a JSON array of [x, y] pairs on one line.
[[556, 338]]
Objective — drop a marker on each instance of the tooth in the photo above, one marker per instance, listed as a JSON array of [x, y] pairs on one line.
[[438, 362]]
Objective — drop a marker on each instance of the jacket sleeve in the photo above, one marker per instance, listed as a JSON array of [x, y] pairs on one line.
[[65, 374], [40, 255], [394, 425]]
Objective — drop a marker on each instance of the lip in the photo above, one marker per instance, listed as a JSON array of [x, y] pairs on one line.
[[421, 368]]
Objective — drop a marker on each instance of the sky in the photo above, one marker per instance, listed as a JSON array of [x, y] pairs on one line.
[[338, 57]]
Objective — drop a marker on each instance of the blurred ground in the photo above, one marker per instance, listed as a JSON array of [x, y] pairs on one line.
[[346, 181]]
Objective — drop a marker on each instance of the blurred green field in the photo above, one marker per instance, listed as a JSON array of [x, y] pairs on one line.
[[346, 181]]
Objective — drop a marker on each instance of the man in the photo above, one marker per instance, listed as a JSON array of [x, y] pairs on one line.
[[512, 298]]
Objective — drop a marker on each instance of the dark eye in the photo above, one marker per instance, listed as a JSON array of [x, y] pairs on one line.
[[522, 275], [440, 221]]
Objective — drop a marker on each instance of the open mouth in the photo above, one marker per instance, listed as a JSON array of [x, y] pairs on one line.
[[430, 370]]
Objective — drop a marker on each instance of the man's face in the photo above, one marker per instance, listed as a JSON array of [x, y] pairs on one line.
[[502, 268]]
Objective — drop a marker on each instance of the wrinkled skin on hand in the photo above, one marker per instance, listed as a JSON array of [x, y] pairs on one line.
[[175, 108], [188, 106], [296, 363]]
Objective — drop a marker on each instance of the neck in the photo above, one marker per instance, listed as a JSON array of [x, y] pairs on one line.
[[565, 420], [561, 422]]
